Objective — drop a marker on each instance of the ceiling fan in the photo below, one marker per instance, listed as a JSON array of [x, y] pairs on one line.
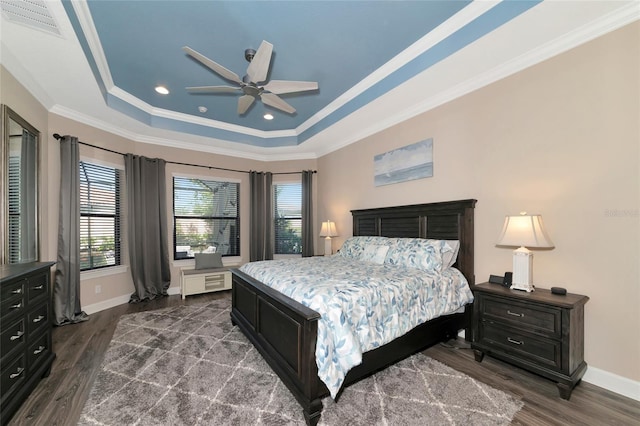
[[250, 84]]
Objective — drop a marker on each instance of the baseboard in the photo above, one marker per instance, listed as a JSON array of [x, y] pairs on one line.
[[613, 382], [106, 304], [120, 300], [609, 381]]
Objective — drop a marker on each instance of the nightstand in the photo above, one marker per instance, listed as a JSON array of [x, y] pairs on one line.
[[539, 331]]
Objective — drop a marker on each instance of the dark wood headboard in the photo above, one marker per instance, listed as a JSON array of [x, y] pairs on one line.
[[449, 220]]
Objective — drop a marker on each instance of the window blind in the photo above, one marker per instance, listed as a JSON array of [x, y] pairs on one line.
[[99, 216], [206, 217], [287, 204]]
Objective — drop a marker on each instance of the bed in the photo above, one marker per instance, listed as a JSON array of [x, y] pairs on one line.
[[285, 331]]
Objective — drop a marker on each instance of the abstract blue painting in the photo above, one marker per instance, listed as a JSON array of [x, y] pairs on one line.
[[410, 162]]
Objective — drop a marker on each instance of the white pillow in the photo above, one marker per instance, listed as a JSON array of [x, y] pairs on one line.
[[449, 253], [374, 253]]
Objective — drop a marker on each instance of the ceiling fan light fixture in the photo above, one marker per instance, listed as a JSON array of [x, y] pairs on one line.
[[162, 90], [268, 116], [252, 86]]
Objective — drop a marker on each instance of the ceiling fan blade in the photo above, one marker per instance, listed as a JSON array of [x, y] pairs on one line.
[[282, 86], [213, 89], [276, 102], [244, 103], [259, 65], [213, 66]]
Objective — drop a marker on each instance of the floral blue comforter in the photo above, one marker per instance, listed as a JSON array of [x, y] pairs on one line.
[[363, 305]]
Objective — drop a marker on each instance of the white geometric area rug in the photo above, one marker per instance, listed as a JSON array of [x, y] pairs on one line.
[[188, 365]]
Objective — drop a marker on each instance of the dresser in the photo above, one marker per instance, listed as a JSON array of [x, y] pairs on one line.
[[25, 328], [538, 331]]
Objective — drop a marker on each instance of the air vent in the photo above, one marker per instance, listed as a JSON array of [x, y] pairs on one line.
[[32, 13]]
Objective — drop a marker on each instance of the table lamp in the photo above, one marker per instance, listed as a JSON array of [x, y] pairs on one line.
[[524, 231], [328, 230]]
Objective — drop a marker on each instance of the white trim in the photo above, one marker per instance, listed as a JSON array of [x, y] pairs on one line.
[[613, 382], [204, 177], [103, 272], [104, 163], [609, 381], [106, 304], [433, 37], [120, 300], [93, 40]]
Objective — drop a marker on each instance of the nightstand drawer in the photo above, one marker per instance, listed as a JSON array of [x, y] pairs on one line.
[[523, 345], [530, 316]]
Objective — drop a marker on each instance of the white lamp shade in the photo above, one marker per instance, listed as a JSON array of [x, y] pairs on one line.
[[328, 229], [524, 231]]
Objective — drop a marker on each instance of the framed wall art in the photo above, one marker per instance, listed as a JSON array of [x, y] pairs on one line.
[[410, 162]]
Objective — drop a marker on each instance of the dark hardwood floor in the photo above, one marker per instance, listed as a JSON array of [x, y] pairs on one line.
[[80, 348]]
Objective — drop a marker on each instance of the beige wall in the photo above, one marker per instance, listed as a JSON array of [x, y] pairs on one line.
[[560, 139]]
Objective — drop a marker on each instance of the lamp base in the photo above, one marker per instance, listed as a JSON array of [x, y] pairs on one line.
[[327, 246], [524, 287], [522, 270]]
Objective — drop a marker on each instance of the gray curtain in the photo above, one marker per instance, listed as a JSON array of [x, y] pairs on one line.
[[66, 290], [148, 246], [260, 242], [307, 213]]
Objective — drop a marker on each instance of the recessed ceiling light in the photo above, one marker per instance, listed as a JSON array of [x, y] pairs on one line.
[[202, 109], [268, 116], [162, 90]]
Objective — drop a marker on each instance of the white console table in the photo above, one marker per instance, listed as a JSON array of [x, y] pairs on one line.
[[196, 281]]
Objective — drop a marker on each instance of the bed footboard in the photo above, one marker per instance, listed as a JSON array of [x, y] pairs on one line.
[[285, 333]]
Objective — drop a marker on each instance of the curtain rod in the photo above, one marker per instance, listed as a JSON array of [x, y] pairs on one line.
[[58, 137]]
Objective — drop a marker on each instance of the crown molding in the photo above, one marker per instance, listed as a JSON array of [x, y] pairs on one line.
[[606, 24]]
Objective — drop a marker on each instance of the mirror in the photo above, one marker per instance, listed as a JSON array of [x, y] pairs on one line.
[[19, 189]]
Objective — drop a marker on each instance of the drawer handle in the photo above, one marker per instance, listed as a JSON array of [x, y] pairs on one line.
[[38, 319], [515, 342], [38, 287], [16, 306], [17, 291], [39, 350], [515, 314], [17, 373], [16, 336]]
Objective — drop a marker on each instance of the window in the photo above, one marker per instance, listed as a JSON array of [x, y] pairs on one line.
[[287, 213], [99, 216], [206, 217]]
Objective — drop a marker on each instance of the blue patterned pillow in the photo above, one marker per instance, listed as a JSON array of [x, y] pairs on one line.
[[354, 246], [416, 253]]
